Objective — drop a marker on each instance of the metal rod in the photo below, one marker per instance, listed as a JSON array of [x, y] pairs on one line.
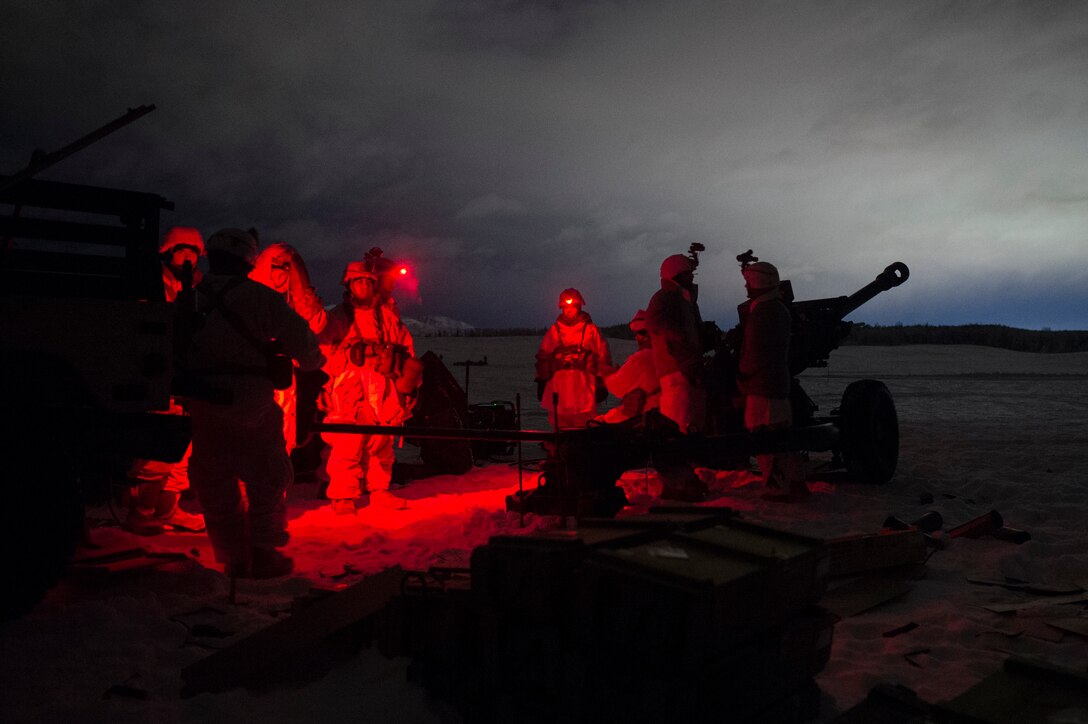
[[824, 435], [521, 508], [435, 433]]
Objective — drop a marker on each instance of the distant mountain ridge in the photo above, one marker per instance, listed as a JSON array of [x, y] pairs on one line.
[[985, 335], [438, 326]]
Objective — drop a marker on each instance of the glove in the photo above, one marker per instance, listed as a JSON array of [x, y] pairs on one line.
[[633, 402], [540, 390], [310, 383], [602, 391], [358, 353]]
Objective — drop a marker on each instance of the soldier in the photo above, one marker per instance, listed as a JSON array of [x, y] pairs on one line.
[[389, 273], [675, 327], [156, 486], [280, 267], [238, 430], [180, 251], [367, 347], [635, 383], [763, 378], [572, 357]]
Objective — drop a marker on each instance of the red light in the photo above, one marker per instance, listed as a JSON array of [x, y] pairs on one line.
[[403, 270], [570, 301]]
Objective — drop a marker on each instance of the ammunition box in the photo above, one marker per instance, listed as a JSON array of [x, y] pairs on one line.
[[684, 597]]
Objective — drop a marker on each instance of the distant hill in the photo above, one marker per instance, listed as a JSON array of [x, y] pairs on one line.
[[986, 335]]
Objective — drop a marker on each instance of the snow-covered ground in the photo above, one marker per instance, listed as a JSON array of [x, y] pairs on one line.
[[981, 429]]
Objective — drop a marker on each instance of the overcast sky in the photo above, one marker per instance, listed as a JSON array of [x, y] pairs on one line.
[[512, 148]]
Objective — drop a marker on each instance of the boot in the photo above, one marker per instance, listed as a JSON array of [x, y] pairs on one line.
[[383, 499], [270, 563], [172, 516], [684, 486], [343, 506], [141, 518], [141, 523]]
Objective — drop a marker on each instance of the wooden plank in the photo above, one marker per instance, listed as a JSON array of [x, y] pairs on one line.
[[870, 552], [863, 594], [1036, 603], [124, 561], [1077, 624], [97, 559], [300, 646], [1023, 691]]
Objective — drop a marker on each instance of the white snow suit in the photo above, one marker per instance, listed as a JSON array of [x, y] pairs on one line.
[[763, 377], [571, 356], [363, 394], [674, 324], [636, 383]]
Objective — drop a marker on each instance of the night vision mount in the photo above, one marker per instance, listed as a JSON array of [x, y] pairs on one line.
[[746, 259], [693, 252]]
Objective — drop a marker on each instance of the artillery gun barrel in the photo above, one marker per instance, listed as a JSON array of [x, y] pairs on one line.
[[893, 275], [42, 161]]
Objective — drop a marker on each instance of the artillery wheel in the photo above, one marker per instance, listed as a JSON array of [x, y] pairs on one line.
[[870, 432]]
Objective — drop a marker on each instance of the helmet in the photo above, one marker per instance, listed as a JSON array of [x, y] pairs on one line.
[[384, 266], [638, 323], [357, 270], [235, 242], [571, 296], [277, 253], [388, 271], [276, 256], [675, 265], [761, 275], [182, 236]]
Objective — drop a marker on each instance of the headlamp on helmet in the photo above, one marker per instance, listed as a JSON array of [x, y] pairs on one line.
[[571, 297]]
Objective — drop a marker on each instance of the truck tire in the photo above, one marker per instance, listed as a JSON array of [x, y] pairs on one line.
[[870, 432], [43, 526]]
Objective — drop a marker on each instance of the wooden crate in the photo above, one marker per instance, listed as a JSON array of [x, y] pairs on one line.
[[688, 595]]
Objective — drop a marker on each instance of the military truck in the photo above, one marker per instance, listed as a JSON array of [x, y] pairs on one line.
[[86, 350]]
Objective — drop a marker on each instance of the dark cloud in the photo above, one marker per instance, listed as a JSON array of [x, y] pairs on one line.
[[513, 148], [521, 26]]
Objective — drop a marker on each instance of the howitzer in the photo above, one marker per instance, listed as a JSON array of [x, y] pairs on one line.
[[866, 424], [580, 477], [819, 325]]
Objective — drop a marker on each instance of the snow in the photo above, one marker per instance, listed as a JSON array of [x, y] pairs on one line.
[[437, 326], [981, 429]]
